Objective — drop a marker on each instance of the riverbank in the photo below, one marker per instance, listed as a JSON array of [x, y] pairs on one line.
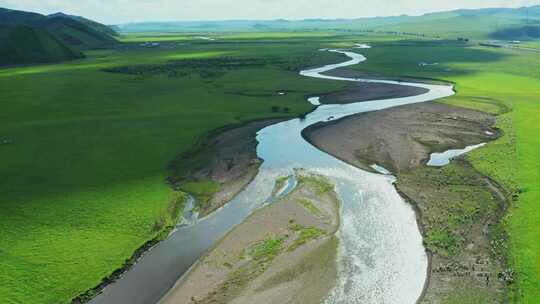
[[458, 208], [283, 253], [220, 166]]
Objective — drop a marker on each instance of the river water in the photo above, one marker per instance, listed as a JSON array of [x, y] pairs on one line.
[[381, 258]]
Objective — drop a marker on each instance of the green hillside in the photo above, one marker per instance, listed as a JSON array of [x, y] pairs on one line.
[[25, 44], [74, 31]]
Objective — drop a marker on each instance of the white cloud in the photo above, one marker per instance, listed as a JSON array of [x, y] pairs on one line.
[[119, 11]]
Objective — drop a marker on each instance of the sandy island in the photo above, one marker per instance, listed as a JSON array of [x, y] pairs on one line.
[[283, 253]]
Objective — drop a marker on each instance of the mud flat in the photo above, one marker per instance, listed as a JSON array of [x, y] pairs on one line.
[[401, 138], [458, 208], [283, 253], [226, 157]]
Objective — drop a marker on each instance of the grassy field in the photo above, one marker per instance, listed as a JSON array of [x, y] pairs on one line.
[[500, 81], [85, 151]]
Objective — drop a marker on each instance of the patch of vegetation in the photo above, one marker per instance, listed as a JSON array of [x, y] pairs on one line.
[[320, 184], [322, 259], [266, 250], [310, 206], [468, 295], [202, 191], [261, 256], [281, 182], [455, 198], [304, 235], [443, 241], [206, 68]]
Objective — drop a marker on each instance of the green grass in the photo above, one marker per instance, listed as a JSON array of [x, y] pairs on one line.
[[467, 295], [320, 184], [202, 191], [455, 200], [86, 180], [304, 235], [267, 249], [496, 77], [310, 206]]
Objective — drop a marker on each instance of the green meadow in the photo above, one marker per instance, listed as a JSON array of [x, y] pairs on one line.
[[503, 82], [85, 151], [87, 143]]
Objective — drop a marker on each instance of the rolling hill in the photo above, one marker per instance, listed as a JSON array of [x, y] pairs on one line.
[[101, 28], [474, 23], [23, 44], [75, 31]]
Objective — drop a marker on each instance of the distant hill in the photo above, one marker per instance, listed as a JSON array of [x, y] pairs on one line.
[[104, 29], [75, 31], [22, 44], [477, 23], [473, 23]]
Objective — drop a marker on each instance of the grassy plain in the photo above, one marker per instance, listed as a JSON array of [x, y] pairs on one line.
[[499, 81], [84, 152]]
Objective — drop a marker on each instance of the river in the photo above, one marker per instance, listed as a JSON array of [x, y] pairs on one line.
[[381, 257]]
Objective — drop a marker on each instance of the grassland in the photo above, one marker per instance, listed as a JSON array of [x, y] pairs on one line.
[[83, 183], [85, 151], [499, 81]]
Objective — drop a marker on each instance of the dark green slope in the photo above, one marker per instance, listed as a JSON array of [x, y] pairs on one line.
[[517, 33], [23, 44], [74, 31]]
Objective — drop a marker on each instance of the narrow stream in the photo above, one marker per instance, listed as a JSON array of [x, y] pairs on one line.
[[381, 258]]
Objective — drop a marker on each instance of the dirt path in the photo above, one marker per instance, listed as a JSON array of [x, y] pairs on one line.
[[458, 208], [283, 253]]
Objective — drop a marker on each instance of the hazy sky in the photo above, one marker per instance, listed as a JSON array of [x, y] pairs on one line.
[[121, 11]]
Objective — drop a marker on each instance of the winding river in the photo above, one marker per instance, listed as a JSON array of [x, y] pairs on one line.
[[381, 257]]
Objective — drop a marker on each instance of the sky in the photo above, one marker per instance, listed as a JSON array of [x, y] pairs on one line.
[[125, 11]]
